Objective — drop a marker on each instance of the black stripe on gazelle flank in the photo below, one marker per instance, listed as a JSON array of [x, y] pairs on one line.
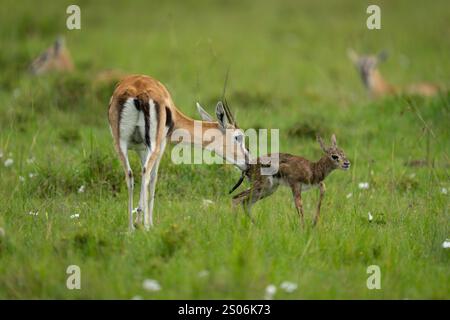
[[169, 121]]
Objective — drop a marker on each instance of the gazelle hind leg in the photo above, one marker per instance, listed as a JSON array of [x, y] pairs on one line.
[[154, 179], [146, 179], [130, 182], [157, 137], [143, 155]]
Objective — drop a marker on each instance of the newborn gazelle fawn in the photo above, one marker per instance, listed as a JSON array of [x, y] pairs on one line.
[[295, 172]]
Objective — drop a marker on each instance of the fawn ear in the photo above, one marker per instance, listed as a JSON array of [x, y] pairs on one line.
[[333, 141], [382, 56], [322, 145], [221, 116], [352, 55], [203, 114]]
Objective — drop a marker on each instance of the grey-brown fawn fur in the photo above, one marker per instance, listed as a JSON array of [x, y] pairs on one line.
[[296, 172]]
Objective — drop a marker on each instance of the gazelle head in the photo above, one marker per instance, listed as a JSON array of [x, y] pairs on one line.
[[366, 65], [54, 58], [335, 154], [231, 146]]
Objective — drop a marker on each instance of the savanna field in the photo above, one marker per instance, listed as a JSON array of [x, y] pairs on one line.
[[63, 194]]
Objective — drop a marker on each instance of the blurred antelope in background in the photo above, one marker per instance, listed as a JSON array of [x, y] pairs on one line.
[[142, 116], [295, 172], [376, 85], [55, 58], [58, 58]]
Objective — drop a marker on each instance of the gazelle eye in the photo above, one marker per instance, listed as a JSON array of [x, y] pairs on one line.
[[335, 157]]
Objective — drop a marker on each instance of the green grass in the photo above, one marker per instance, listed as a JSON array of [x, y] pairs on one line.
[[288, 70]]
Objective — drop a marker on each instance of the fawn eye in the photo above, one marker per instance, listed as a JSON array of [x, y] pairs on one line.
[[335, 157]]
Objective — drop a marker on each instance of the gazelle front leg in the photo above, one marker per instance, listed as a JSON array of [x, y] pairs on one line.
[[322, 193], [297, 194]]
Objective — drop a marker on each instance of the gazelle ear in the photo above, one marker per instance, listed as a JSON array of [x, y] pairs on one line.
[[352, 55], [221, 116], [203, 114], [322, 145], [382, 56], [333, 141], [59, 44]]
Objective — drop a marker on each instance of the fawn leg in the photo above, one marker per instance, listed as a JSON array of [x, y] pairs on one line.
[[254, 195], [297, 194], [244, 198], [247, 205], [322, 193]]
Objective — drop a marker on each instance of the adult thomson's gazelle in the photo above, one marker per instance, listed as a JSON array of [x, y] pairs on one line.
[[142, 117], [55, 58], [377, 86]]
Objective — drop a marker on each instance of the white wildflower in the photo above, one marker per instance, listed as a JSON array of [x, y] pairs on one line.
[[446, 244], [81, 189], [8, 162], [270, 292], [203, 274], [136, 298], [444, 191], [75, 216], [363, 185], [21, 179], [30, 160], [288, 286], [33, 213], [207, 202], [370, 216], [31, 175], [349, 195], [151, 285]]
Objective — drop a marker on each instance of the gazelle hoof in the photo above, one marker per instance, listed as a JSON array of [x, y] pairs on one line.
[[139, 215]]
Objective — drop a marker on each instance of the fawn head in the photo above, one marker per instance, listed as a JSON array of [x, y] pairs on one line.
[[366, 65], [335, 154], [232, 145]]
